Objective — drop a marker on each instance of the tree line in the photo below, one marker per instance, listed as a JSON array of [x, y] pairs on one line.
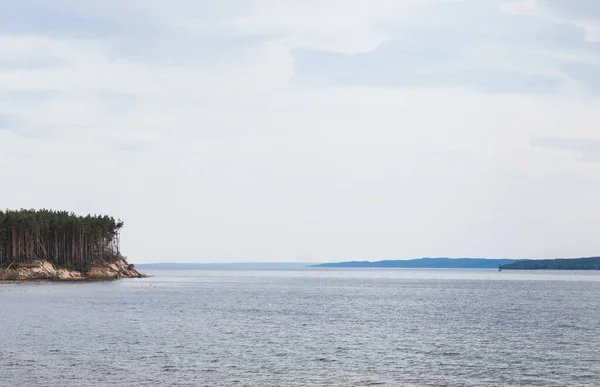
[[61, 237], [589, 263]]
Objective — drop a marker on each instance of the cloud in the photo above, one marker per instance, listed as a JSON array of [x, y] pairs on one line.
[[8, 123], [60, 18], [15, 125], [586, 74], [342, 26], [414, 69], [135, 30], [573, 9], [111, 18], [588, 148], [507, 53], [581, 13]]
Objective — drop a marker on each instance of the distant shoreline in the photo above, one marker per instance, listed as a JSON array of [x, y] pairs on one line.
[[420, 263], [235, 265], [592, 263], [424, 263]]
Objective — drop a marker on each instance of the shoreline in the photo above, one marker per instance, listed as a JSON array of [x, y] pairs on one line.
[[45, 271]]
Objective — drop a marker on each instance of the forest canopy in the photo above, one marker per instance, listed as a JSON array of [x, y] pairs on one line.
[[63, 238], [591, 263]]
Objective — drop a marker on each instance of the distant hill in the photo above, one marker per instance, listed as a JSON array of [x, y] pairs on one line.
[[592, 263], [427, 263]]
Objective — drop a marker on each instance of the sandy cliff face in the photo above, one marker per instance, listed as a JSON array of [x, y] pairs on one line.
[[44, 270], [115, 270]]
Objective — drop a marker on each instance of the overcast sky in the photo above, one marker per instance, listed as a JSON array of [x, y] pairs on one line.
[[308, 130]]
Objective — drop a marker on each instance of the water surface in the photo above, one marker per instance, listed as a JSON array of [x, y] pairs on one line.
[[313, 327]]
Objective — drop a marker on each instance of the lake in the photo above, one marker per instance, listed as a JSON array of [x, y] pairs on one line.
[[308, 327]]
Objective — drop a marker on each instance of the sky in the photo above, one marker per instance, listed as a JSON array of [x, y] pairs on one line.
[[308, 131]]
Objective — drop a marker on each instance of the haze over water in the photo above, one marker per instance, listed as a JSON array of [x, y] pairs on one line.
[[313, 327]]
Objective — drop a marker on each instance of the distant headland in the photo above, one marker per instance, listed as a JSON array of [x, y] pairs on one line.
[[59, 245], [475, 263], [426, 263], [592, 263]]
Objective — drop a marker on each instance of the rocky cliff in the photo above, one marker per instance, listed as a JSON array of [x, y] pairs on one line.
[[44, 270]]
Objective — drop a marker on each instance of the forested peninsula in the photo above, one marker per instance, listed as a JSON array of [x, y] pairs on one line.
[[60, 245]]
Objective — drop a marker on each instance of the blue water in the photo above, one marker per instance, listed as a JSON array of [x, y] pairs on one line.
[[313, 327]]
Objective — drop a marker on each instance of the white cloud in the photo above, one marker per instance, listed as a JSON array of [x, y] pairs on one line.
[[349, 26], [582, 13]]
